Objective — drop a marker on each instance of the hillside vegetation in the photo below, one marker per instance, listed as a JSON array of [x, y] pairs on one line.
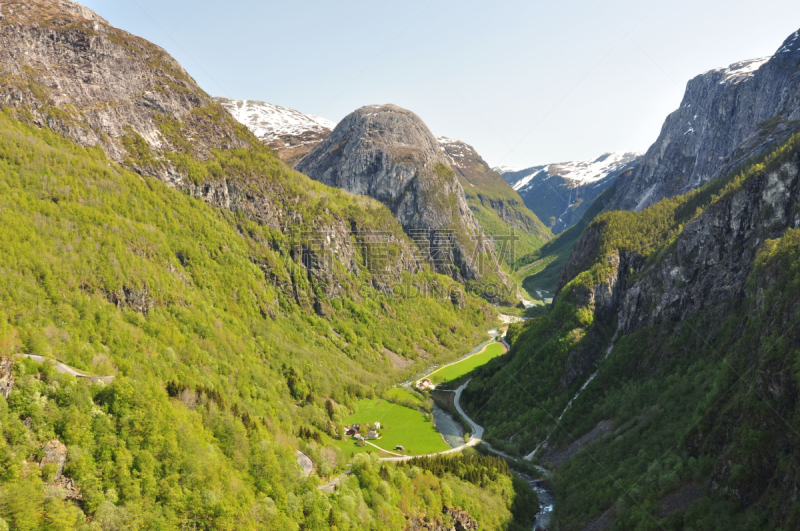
[[217, 364], [694, 416]]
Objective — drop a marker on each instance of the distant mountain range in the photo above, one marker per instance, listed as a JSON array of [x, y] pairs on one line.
[[559, 194]]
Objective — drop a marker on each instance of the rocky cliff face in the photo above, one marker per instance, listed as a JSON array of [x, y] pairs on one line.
[[715, 254], [707, 265], [290, 133], [726, 116], [65, 68], [389, 154], [560, 194], [486, 189]]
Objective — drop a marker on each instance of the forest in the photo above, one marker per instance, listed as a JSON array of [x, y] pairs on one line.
[[217, 370]]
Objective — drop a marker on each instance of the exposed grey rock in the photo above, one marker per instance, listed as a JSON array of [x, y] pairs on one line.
[[55, 452], [726, 116], [707, 266], [64, 68], [6, 376], [715, 254], [105, 82], [389, 154]]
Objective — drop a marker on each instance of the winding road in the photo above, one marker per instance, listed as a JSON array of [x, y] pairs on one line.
[[66, 369]]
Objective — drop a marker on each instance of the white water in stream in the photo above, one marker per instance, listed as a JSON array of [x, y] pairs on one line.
[[569, 404]]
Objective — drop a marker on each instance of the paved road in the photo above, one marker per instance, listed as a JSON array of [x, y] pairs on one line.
[[65, 369], [330, 487]]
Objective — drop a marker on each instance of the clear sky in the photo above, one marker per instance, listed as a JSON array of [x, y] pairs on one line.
[[524, 82]]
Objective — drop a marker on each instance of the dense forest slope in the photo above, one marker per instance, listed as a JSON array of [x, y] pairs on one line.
[[145, 234], [678, 322], [497, 207], [727, 115]]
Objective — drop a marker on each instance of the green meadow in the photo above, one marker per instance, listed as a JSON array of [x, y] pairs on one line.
[[405, 426], [457, 370]]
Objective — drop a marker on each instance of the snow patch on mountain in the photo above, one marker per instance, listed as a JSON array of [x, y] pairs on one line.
[[742, 71], [584, 172], [270, 122]]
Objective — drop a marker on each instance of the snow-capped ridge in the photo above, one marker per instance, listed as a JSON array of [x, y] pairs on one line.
[[270, 122], [742, 70], [582, 172]]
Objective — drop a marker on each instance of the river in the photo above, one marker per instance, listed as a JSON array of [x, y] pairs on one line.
[[453, 434]]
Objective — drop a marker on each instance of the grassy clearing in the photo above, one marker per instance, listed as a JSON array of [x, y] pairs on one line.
[[404, 426], [405, 397], [456, 371]]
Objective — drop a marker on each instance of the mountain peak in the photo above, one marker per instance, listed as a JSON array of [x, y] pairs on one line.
[[388, 153]]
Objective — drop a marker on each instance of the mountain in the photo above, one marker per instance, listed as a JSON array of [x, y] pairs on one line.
[[123, 94], [290, 133], [497, 207], [561, 193], [727, 115], [661, 388], [228, 310], [388, 153]]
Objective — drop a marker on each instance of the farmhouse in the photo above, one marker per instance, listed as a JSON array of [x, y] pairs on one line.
[[425, 384], [400, 447], [351, 431], [373, 434]]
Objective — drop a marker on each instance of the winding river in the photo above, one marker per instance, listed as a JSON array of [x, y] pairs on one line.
[[453, 434]]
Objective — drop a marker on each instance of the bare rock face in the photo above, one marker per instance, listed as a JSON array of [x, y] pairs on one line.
[[462, 521], [6, 376], [389, 154], [726, 116], [64, 68], [55, 452], [97, 85]]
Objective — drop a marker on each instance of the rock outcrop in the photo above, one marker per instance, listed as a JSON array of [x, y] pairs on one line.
[[462, 521], [726, 116], [66, 68], [389, 154], [486, 189], [55, 453], [6, 376]]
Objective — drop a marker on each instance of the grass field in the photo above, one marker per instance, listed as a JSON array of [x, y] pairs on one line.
[[405, 426], [405, 397], [454, 372]]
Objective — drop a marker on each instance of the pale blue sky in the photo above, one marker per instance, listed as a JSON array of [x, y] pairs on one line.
[[524, 82]]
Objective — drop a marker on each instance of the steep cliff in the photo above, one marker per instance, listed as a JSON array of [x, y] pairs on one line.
[[389, 154], [673, 329], [67, 69], [726, 116]]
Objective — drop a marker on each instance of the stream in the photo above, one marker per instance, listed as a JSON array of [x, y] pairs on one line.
[[451, 431], [453, 434]]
